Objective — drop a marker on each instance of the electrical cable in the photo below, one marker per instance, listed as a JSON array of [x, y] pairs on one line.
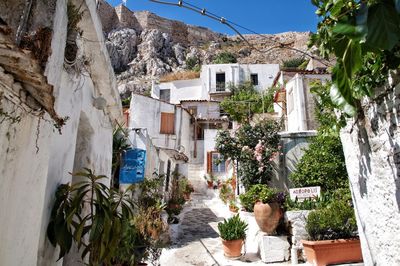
[[231, 25]]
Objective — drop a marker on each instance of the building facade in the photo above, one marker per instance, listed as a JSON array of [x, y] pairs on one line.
[[82, 100]]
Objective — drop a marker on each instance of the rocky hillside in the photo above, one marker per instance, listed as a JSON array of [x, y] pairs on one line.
[[144, 46]]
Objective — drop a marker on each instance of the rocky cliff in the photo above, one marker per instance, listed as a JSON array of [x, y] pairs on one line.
[[144, 46]]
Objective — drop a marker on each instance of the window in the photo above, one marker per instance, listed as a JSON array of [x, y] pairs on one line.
[[215, 163], [165, 95], [254, 79], [220, 81], [167, 123]]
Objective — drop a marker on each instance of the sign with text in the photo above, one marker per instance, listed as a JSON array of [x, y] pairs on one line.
[[304, 193], [133, 166]]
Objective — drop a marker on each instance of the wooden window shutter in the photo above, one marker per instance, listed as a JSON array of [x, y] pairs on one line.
[[167, 123], [209, 162]]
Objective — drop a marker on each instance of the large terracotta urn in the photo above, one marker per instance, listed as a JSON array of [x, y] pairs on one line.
[[267, 216], [232, 248]]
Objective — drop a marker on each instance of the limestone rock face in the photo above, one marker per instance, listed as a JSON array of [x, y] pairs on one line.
[[121, 45]]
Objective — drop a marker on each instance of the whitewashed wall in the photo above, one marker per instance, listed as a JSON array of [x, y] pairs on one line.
[[180, 90], [29, 179], [372, 151]]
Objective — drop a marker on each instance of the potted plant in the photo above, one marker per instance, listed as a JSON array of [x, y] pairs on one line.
[[226, 193], [267, 205], [186, 188], [233, 234], [233, 207], [333, 235], [210, 180]]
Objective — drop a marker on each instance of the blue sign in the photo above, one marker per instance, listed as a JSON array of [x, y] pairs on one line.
[[133, 166]]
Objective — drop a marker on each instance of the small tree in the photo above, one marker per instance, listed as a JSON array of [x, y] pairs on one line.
[[253, 147]]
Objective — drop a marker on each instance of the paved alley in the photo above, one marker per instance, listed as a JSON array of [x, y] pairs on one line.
[[196, 241]]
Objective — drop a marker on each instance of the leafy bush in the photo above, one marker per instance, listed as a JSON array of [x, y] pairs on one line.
[[254, 147], [226, 192], [192, 63], [232, 229], [261, 193], [246, 101], [322, 164], [225, 58], [293, 62], [335, 221]]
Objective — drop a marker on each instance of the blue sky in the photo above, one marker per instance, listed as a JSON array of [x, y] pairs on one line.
[[262, 16]]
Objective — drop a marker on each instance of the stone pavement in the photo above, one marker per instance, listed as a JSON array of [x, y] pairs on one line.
[[196, 241]]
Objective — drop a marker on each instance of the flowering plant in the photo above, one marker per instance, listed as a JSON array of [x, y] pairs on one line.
[[254, 147]]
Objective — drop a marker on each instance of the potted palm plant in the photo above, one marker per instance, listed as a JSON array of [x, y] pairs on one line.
[[333, 235], [233, 234]]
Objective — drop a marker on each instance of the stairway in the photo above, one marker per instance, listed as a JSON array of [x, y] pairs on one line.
[[195, 176]]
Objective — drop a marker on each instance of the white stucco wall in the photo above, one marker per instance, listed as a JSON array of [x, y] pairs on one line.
[[29, 179], [208, 109], [145, 113], [180, 90], [238, 73]]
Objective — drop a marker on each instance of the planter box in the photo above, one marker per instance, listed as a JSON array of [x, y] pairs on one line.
[[321, 253]]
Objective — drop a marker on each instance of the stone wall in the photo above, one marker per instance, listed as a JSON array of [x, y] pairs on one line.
[[372, 151]]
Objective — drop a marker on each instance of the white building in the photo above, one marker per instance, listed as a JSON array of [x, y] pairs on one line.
[[295, 101], [34, 158], [201, 97], [164, 130], [215, 82]]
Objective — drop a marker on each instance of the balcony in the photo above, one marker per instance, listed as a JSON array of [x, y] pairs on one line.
[[220, 89]]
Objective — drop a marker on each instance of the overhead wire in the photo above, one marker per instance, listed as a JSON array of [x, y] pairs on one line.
[[231, 25]]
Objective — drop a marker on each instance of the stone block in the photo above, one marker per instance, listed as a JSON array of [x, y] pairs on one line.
[[273, 248], [295, 222]]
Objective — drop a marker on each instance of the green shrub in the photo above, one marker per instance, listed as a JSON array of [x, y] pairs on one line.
[[192, 63], [225, 58], [322, 164], [261, 193], [233, 228], [335, 221], [293, 62]]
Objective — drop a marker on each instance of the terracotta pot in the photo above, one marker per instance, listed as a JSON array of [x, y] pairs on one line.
[[233, 209], [210, 184], [232, 248], [321, 253], [267, 216]]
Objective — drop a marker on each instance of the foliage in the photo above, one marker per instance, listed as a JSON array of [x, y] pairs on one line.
[[335, 221], [254, 147], [226, 192], [246, 101], [132, 247], [120, 144], [323, 201], [322, 164], [193, 63], [126, 102], [233, 206], [261, 193], [225, 58], [151, 193], [185, 186], [364, 37], [232, 229], [149, 221], [330, 122], [293, 62], [91, 215]]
